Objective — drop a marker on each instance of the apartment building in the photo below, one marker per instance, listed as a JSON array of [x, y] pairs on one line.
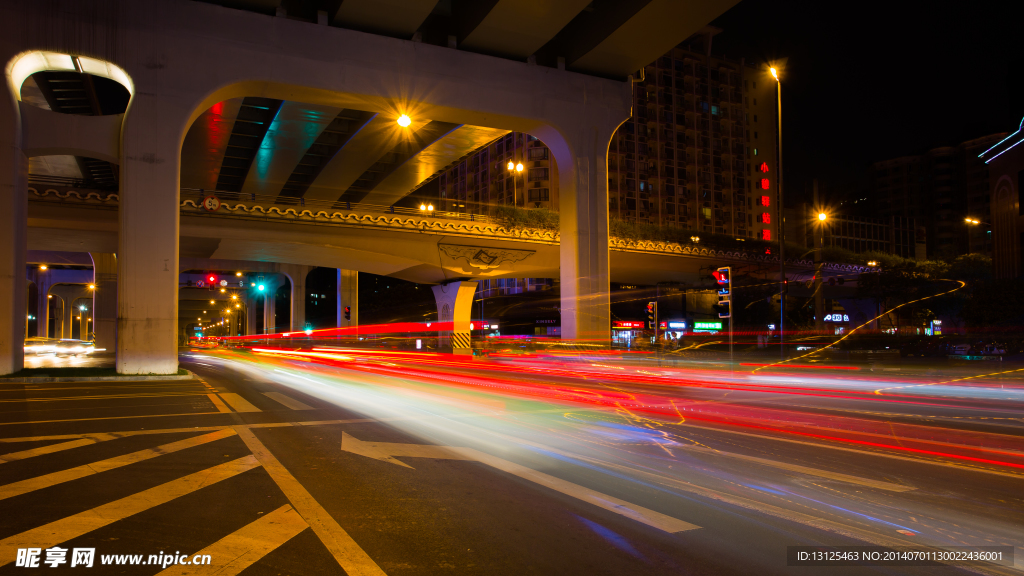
[[699, 150], [481, 181], [892, 235], [940, 189]]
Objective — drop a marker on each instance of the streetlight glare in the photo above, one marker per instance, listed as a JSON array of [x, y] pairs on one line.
[[211, 301], [511, 165], [519, 167], [239, 274], [822, 216], [775, 72], [404, 120], [42, 267], [430, 207]]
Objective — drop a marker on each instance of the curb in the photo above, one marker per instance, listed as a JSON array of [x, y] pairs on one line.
[[127, 378]]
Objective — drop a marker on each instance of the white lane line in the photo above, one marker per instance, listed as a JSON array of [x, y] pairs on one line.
[[388, 451], [288, 401]]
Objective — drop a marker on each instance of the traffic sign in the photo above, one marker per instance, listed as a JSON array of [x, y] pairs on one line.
[[211, 203]]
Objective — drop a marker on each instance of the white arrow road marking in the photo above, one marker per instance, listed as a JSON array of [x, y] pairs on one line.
[[387, 451]]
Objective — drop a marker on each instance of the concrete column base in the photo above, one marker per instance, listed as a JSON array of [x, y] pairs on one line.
[[455, 305], [297, 273]]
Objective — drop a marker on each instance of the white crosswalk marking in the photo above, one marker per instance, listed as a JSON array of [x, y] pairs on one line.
[[287, 401]]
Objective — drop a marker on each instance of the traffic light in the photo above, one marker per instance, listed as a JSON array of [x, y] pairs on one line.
[[348, 312], [652, 315], [724, 278], [211, 281]]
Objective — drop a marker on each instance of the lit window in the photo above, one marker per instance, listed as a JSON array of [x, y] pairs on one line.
[[755, 151]]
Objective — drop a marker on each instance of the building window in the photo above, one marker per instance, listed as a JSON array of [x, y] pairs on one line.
[[538, 195], [537, 174], [538, 153]]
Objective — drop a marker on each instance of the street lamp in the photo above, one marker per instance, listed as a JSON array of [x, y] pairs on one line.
[[404, 121], [819, 296], [782, 224], [92, 286], [516, 168], [42, 266]]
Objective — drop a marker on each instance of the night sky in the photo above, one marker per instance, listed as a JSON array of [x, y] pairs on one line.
[[869, 81]]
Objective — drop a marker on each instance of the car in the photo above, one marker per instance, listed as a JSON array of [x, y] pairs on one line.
[[38, 346], [74, 347]]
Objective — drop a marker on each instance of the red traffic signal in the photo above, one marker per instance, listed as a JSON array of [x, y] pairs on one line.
[[211, 278], [721, 275]]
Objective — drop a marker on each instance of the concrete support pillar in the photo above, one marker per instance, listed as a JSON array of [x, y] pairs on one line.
[[297, 273], [251, 307], [83, 324], [13, 240], [272, 283], [42, 303], [104, 300], [147, 255], [68, 294], [583, 254], [348, 296], [455, 304]]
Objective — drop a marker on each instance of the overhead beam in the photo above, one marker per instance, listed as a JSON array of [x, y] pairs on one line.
[[513, 28], [588, 29], [390, 161], [251, 125], [322, 151], [397, 18]]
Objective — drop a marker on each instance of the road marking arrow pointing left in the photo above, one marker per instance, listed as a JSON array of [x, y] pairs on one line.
[[388, 451]]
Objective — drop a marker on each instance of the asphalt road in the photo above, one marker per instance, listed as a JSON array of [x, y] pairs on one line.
[[284, 463]]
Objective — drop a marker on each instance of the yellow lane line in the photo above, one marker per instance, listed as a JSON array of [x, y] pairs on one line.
[[238, 403], [107, 397], [52, 479], [198, 429], [65, 529], [103, 418], [246, 546], [287, 401], [352, 559], [46, 450], [218, 403]]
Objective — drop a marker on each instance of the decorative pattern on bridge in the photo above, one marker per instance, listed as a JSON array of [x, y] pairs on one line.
[[443, 226]]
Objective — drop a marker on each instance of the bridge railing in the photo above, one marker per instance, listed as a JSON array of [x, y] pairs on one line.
[[315, 205]]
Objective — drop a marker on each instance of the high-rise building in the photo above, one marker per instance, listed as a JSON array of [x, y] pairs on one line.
[[699, 152], [940, 189]]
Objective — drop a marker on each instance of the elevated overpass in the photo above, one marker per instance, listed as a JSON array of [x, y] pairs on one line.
[[304, 106]]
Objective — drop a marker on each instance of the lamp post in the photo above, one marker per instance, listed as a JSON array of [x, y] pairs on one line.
[[781, 219], [819, 296], [512, 167], [971, 222]]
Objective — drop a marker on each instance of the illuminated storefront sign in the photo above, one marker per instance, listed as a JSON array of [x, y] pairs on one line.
[[705, 326], [837, 317], [627, 325]]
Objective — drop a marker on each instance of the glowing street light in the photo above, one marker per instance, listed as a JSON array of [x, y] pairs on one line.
[[694, 239], [211, 301], [43, 266], [822, 216], [239, 274], [404, 121], [517, 168]]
